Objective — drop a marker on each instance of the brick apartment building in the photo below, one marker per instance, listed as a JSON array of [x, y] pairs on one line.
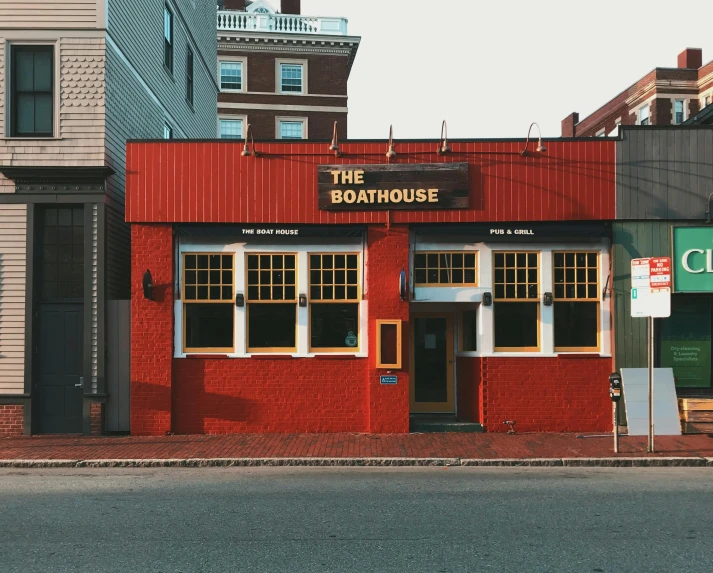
[[283, 73], [664, 96]]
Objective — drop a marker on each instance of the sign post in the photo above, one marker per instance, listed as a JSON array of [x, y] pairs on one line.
[[651, 298]]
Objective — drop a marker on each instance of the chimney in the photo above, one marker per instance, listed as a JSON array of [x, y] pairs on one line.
[[569, 124], [290, 6], [691, 58], [234, 5]]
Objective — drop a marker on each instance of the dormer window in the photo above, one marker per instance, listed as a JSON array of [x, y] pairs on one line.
[[260, 7]]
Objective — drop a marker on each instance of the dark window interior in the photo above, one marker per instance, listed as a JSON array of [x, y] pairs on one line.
[[209, 325], [62, 266], [576, 324], [272, 325], [515, 324], [469, 324], [189, 75], [389, 344], [334, 325], [32, 91]]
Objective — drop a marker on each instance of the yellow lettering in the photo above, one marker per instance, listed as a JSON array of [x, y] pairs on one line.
[[420, 195], [396, 196], [408, 198], [347, 177], [359, 176], [371, 193], [335, 176], [336, 196], [349, 196], [383, 195], [433, 195], [362, 197]]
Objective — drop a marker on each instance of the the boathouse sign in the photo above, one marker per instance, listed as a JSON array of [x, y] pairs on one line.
[[421, 186]]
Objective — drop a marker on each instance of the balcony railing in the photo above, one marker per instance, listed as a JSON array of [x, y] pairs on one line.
[[281, 23]]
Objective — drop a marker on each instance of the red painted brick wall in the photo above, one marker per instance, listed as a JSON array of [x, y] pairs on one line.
[[469, 389], [262, 394], [291, 395], [387, 255], [564, 394], [11, 420], [96, 418], [151, 330]]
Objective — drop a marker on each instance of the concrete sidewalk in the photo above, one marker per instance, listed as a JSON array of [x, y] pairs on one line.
[[352, 450]]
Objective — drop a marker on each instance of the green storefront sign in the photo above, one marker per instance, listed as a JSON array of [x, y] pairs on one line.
[[693, 259]]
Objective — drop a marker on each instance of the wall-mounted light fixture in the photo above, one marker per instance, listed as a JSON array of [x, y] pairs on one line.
[[246, 150], [302, 299], [403, 286], [487, 298], [148, 285], [443, 146], [547, 299], [334, 146], [240, 299], [391, 152], [540, 148]]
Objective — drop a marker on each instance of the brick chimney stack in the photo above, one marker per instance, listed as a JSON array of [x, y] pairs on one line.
[[569, 125], [290, 6], [691, 58]]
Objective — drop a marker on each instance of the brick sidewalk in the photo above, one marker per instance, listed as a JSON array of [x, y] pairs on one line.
[[441, 445]]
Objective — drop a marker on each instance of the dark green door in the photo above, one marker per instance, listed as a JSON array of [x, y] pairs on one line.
[[59, 320], [60, 368]]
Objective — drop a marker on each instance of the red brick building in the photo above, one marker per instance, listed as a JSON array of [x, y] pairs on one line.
[[290, 290], [281, 72], [664, 96]]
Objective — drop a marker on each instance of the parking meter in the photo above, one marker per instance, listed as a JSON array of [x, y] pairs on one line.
[[615, 395], [615, 386]]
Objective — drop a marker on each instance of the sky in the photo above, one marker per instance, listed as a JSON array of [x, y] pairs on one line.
[[492, 68]]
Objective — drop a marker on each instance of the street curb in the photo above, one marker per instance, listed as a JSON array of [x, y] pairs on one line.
[[364, 462]]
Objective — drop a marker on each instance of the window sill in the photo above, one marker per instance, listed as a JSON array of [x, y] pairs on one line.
[[274, 356], [11, 138], [533, 354], [226, 91]]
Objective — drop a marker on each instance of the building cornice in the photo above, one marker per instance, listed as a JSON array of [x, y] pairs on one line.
[[343, 46]]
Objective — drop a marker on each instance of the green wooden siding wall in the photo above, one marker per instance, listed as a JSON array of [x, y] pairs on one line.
[[633, 240]]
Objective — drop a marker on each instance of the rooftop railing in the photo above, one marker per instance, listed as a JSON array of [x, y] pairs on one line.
[[281, 23]]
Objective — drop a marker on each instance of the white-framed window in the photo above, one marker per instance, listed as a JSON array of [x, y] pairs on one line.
[[167, 131], [231, 128], [601, 133], [679, 111], [291, 127], [705, 101], [32, 98], [291, 76], [529, 299], [232, 75], [643, 115], [268, 297], [168, 38]]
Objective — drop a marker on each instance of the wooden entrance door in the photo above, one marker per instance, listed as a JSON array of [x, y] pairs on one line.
[[432, 387]]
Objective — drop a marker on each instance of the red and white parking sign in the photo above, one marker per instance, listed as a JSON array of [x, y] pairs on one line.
[[660, 272]]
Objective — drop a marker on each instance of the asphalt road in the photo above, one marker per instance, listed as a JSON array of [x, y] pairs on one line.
[[362, 519]]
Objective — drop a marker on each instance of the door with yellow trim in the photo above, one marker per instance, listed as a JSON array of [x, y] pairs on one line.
[[432, 387]]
